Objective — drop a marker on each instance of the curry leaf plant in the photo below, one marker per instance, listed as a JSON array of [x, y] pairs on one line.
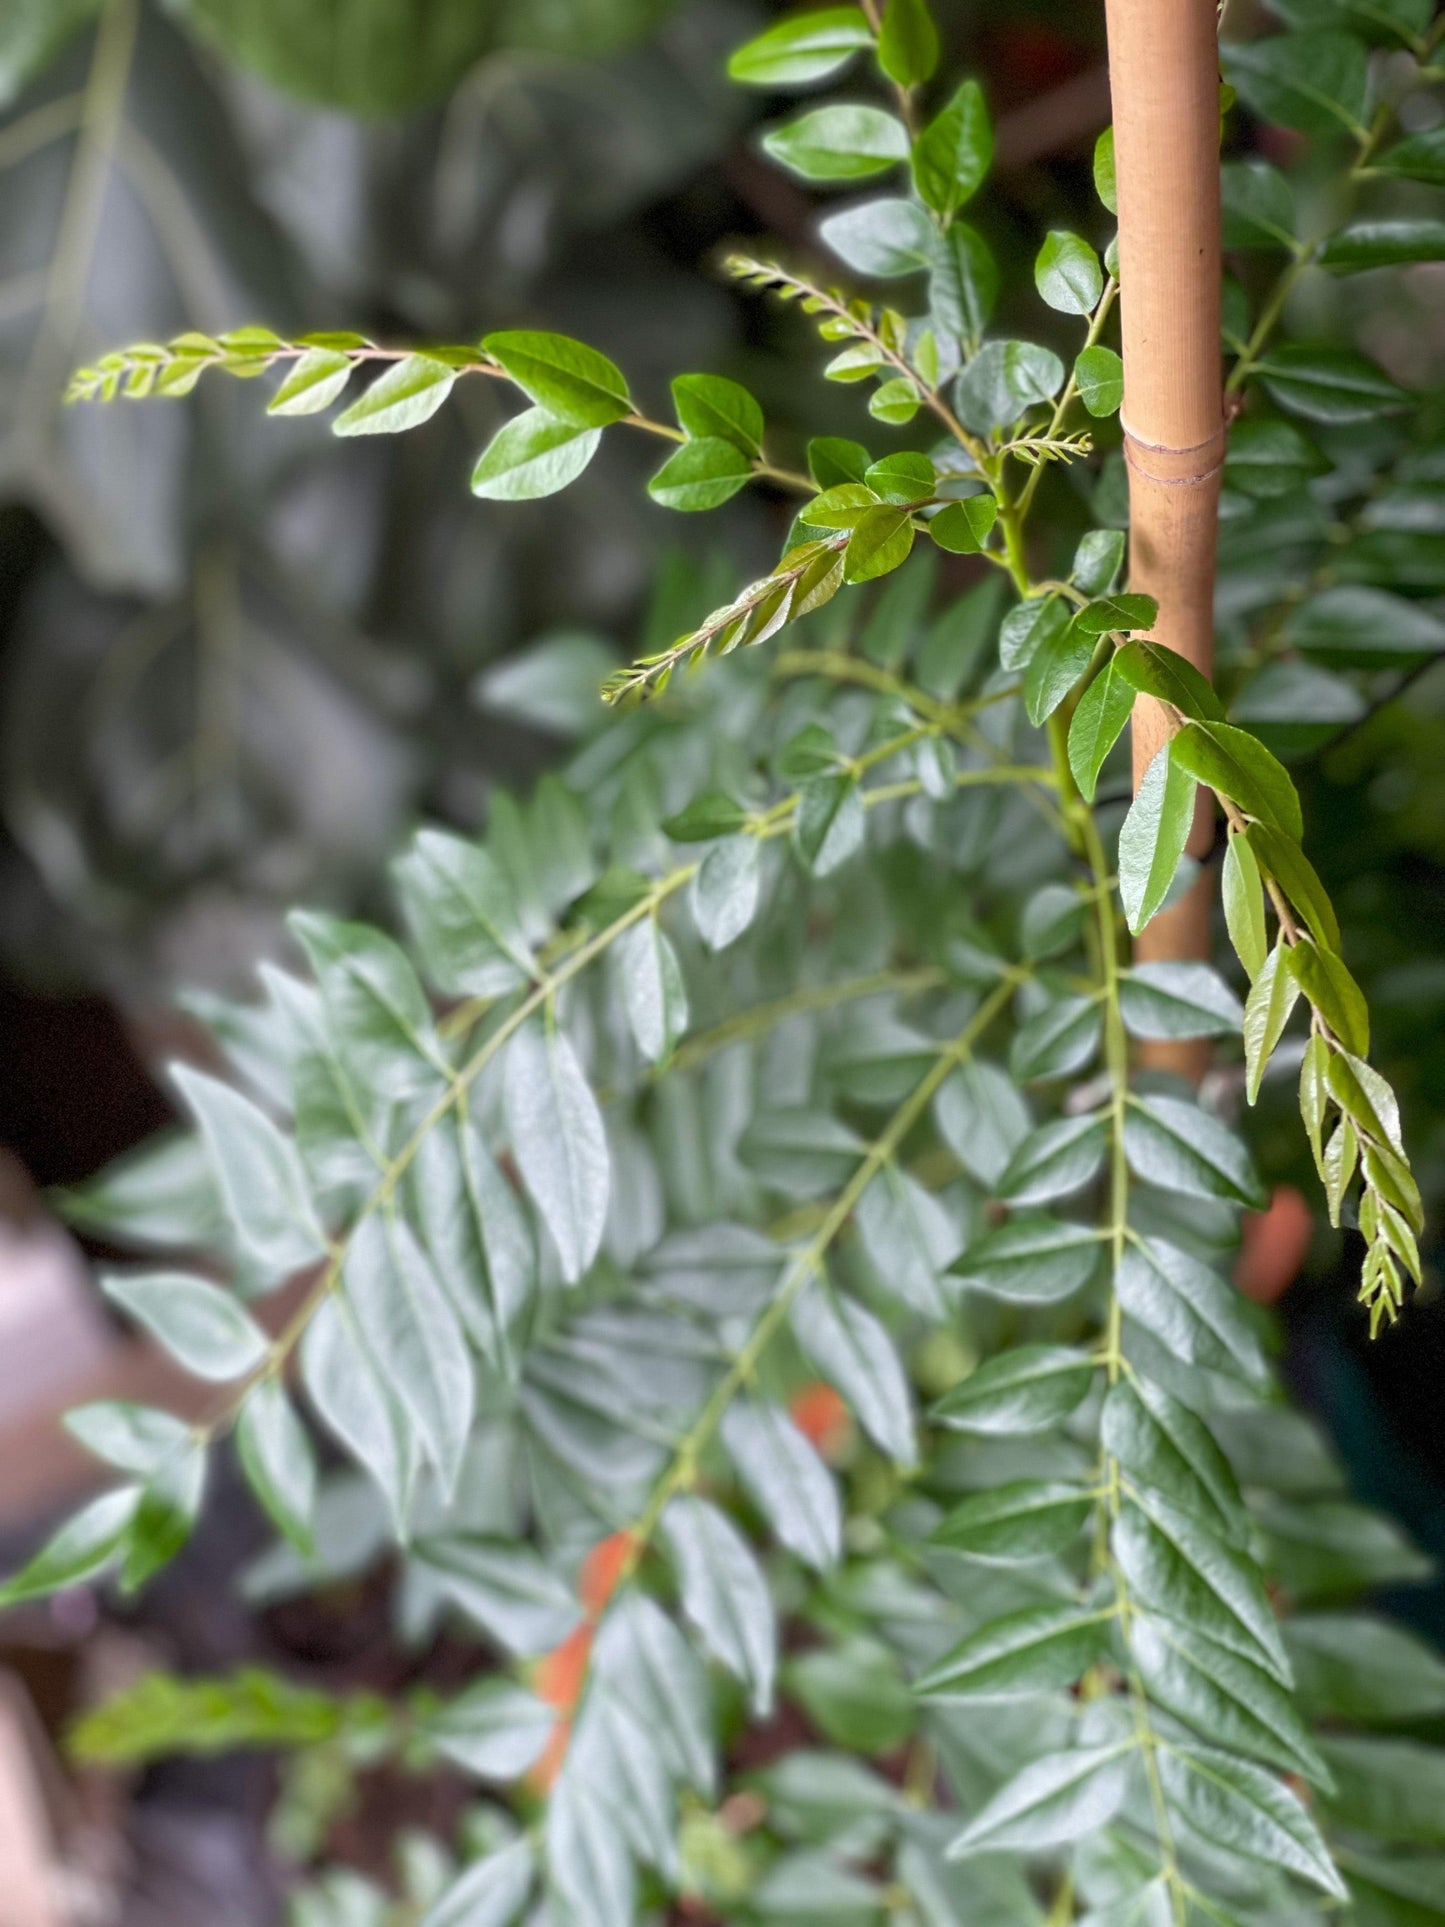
[[733, 1241]]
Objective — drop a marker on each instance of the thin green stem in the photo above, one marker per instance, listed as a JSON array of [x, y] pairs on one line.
[[1071, 387], [806, 1265], [761, 1018]]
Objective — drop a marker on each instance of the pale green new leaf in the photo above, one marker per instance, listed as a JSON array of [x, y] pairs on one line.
[[313, 381], [804, 47], [404, 396], [534, 455]]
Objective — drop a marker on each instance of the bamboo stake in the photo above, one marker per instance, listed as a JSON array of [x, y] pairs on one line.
[[1164, 79]]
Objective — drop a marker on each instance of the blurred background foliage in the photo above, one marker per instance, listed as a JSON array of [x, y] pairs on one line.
[[238, 659]]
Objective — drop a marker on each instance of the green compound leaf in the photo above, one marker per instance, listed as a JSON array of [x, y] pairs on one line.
[[1243, 892], [1053, 670], [908, 42], [1258, 206], [1266, 1012], [1281, 858], [1243, 1809], [1180, 1147], [842, 143], [1150, 670], [1096, 725], [881, 541], [702, 474], [1159, 1000], [280, 1466], [415, 1339], [1238, 765], [312, 383], [200, 1325], [852, 1349], [1062, 1797], [1180, 1569], [1003, 381], [713, 406], [1325, 980], [808, 46], [1099, 378], [568, 379], [952, 155], [1026, 1519], [885, 239], [1027, 1389], [1067, 273], [558, 1142], [1033, 1258], [1153, 837], [532, 456], [1315, 81], [725, 891], [1383, 244], [1109, 614], [963, 528], [1189, 1309], [1419, 157], [83, 1548], [1043, 1650], [259, 1174], [492, 1892], [1159, 1443], [787, 1481], [1105, 182], [1330, 385], [463, 915], [1229, 1701]]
